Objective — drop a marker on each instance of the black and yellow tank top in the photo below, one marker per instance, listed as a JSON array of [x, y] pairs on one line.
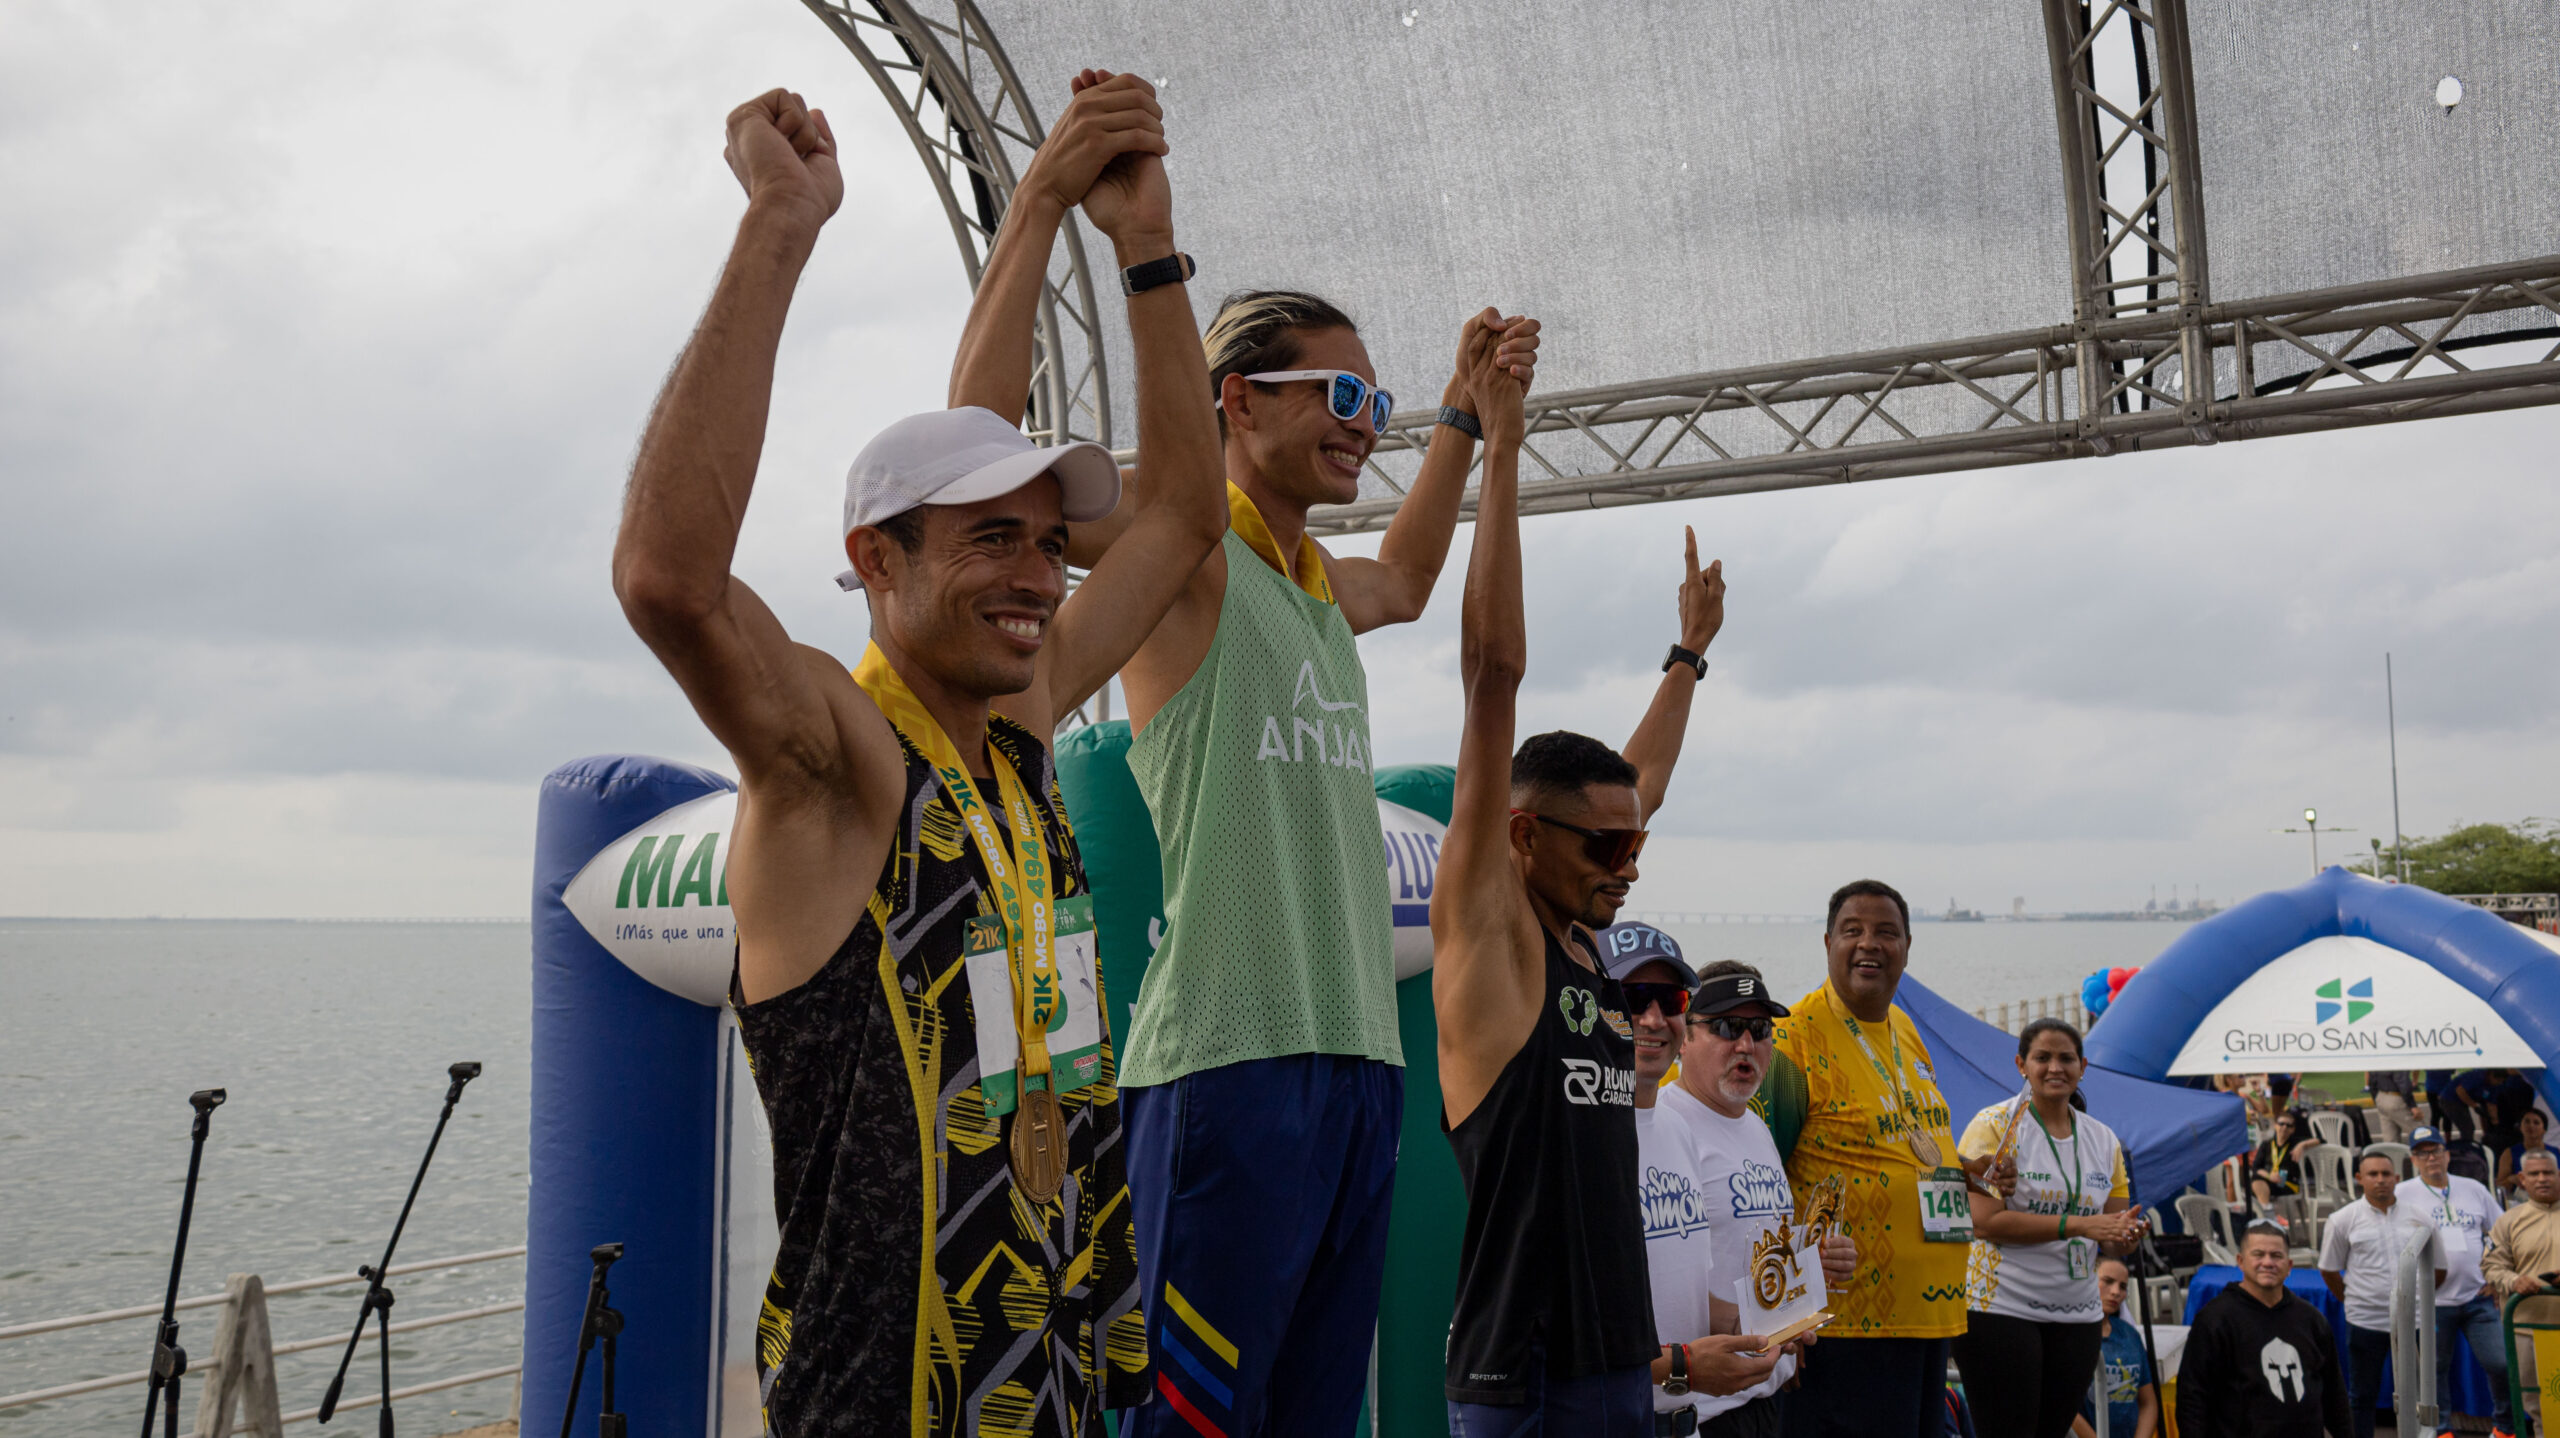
[[916, 1291]]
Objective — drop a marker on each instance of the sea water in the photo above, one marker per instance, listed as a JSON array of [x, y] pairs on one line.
[[332, 1040]]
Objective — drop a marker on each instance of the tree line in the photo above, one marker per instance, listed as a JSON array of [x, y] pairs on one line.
[[2520, 858]]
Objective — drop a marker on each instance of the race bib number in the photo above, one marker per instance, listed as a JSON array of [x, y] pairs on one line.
[[1945, 1214], [1075, 1030]]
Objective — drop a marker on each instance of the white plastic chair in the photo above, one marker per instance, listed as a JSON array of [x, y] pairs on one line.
[[2210, 1221], [2329, 1169], [2333, 1127], [2399, 1154]]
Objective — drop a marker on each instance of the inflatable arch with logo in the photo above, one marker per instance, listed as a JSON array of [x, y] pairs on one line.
[[2341, 973], [647, 1131]]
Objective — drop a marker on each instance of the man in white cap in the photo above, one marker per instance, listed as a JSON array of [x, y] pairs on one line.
[[1714, 1187], [2463, 1211], [915, 974]]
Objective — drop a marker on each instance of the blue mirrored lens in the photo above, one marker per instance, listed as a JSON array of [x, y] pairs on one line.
[[1348, 392], [1385, 404]]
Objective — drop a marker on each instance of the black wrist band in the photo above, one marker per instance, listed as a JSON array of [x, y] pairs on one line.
[[1678, 655], [1461, 421], [1173, 269]]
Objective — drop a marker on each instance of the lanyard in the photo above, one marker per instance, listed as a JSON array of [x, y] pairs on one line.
[[2071, 1175], [1031, 924], [1307, 573], [1894, 1082]]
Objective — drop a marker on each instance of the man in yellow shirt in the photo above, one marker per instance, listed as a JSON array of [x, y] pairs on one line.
[[1875, 1119]]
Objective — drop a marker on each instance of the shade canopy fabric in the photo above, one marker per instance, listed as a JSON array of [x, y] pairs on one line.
[[1681, 187], [2172, 1135]]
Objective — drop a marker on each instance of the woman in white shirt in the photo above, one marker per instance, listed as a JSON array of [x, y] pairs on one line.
[[2034, 1321]]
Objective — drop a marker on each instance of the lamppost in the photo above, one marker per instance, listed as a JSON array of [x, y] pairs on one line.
[[2311, 825]]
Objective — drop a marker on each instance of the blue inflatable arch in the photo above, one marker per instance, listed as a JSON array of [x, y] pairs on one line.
[[2505, 967]]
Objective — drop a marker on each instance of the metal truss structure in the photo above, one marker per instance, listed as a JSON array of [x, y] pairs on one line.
[[941, 70], [2149, 359]]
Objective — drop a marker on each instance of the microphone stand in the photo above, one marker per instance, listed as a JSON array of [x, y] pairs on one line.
[[168, 1360], [602, 1322], [377, 1294]]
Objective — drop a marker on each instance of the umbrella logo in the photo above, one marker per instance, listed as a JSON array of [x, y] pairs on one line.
[[2356, 999]]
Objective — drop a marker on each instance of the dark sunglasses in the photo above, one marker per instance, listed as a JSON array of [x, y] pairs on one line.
[[1611, 849], [1672, 999], [1729, 1028]]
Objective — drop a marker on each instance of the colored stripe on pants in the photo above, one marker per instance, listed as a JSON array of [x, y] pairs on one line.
[[1199, 1371], [1182, 1405]]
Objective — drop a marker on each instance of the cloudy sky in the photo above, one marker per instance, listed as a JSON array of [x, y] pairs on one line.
[[326, 333]]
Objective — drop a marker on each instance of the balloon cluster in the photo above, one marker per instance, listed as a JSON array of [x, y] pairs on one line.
[[2100, 989]]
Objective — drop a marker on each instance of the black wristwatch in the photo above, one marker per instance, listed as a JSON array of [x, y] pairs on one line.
[[1679, 655], [1172, 269], [1461, 421], [1676, 1382]]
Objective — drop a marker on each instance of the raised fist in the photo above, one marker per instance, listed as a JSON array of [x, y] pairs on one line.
[[785, 155]]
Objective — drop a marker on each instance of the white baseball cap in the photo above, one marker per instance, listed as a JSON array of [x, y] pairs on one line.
[[961, 456]]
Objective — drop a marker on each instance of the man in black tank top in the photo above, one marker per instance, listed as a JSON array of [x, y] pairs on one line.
[[1553, 1330]]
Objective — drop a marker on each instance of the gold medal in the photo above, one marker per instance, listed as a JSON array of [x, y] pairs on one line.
[[1019, 878], [1039, 1146], [1923, 1146]]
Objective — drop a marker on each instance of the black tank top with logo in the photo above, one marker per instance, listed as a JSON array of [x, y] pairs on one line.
[[1553, 1257]]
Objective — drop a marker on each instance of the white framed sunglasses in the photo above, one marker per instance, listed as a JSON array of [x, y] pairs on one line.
[[1346, 394]]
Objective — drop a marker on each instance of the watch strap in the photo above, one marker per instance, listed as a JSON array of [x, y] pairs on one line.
[[1173, 269], [1676, 1382], [1678, 655], [1461, 421]]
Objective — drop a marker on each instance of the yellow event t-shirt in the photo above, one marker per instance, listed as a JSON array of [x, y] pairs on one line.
[[1853, 1126]]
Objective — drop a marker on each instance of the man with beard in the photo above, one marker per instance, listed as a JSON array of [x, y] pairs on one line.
[[1713, 1185]]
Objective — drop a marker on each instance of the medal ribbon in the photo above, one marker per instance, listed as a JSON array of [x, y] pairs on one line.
[[1307, 573], [1018, 871], [1904, 1098]]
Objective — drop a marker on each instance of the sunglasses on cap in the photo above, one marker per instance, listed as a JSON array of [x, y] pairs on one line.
[[1729, 1028], [1611, 849], [1673, 999], [1346, 394]]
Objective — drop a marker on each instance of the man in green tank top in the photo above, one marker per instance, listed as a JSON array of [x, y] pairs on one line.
[[1264, 1077]]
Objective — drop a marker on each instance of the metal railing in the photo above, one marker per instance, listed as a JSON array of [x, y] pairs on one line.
[[2413, 1343], [207, 1368], [2066, 1007]]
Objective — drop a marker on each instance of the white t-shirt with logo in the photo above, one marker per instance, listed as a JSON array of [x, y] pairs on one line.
[[2056, 1281], [2463, 1214], [2362, 1243], [1710, 1186]]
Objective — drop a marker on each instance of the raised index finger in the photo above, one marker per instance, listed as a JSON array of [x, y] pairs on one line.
[[1693, 551]]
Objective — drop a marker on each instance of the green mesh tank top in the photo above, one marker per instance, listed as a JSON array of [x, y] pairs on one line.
[[1278, 937]]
